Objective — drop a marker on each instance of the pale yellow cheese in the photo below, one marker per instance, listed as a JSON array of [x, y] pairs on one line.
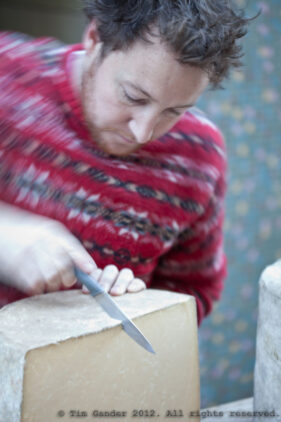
[[60, 352]]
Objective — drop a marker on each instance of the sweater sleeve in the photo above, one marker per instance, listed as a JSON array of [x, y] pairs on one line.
[[196, 265]]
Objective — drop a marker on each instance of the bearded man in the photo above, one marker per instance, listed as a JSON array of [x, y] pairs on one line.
[[105, 162]]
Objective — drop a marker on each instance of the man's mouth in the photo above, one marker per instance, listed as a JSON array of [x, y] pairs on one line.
[[126, 140]]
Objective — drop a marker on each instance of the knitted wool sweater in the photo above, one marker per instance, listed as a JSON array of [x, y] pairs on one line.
[[158, 211]]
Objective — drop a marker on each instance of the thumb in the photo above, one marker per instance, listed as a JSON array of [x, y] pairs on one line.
[[78, 254], [83, 261]]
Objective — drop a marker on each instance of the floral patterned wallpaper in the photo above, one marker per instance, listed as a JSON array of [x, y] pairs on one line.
[[248, 112]]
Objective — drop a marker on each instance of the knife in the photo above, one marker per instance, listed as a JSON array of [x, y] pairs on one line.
[[112, 309]]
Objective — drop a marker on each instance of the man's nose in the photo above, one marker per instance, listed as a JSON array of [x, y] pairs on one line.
[[142, 127]]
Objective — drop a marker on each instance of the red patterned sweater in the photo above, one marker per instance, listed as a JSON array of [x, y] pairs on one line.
[[158, 211]]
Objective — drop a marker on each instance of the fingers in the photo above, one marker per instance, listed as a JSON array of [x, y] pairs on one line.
[[136, 285], [96, 275], [61, 277], [122, 282], [66, 252], [46, 269], [41, 253], [56, 268], [108, 277], [68, 277], [126, 282], [85, 290], [116, 282]]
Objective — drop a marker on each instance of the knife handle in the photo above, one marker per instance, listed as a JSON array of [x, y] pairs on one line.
[[93, 286]]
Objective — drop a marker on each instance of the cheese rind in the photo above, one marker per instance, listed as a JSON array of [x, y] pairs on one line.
[[63, 352]]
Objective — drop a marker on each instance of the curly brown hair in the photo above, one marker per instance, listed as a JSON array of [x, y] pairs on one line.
[[202, 33]]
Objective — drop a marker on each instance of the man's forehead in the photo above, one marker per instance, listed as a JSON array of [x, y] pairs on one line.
[[153, 75]]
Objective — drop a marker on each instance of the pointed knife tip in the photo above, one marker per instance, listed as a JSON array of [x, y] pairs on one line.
[[150, 349]]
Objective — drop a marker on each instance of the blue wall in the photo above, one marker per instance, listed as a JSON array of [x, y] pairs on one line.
[[249, 113]]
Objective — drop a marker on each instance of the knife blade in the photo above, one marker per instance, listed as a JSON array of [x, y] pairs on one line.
[[112, 309]]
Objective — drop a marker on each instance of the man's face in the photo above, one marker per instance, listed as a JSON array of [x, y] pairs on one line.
[[137, 95]]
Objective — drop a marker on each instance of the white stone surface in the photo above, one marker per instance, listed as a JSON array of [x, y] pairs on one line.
[[267, 383]]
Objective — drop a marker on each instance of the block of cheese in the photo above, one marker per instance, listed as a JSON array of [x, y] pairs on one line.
[[267, 380], [62, 358]]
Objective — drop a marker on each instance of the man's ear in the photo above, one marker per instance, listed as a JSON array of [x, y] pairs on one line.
[[90, 37]]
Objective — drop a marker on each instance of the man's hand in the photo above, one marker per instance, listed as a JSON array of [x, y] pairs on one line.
[[37, 256], [117, 282]]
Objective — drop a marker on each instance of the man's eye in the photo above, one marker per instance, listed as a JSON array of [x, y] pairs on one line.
[[134, 100], [174, 112]]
